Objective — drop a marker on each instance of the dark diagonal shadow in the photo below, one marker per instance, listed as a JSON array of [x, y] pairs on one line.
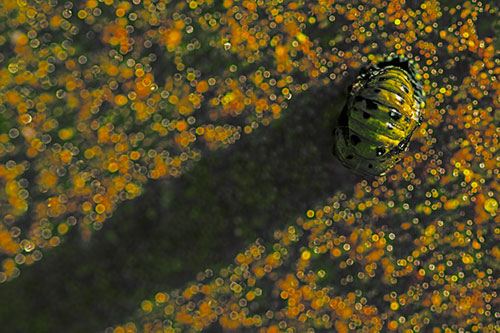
[[175, 229]]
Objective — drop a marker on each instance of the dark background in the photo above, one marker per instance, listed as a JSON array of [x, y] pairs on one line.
[[179, 227]]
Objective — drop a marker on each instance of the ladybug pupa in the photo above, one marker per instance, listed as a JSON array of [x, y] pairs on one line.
[[383, 109]]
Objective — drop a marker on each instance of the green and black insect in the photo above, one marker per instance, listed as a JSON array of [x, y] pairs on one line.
[[383, 109]]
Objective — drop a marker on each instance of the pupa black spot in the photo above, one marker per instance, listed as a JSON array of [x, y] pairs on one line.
[[371, 105], [355, 139], [400, 99], [402, 145], [370, 166], [394, 114], [349, 157], [366, 115], [380, 151]]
